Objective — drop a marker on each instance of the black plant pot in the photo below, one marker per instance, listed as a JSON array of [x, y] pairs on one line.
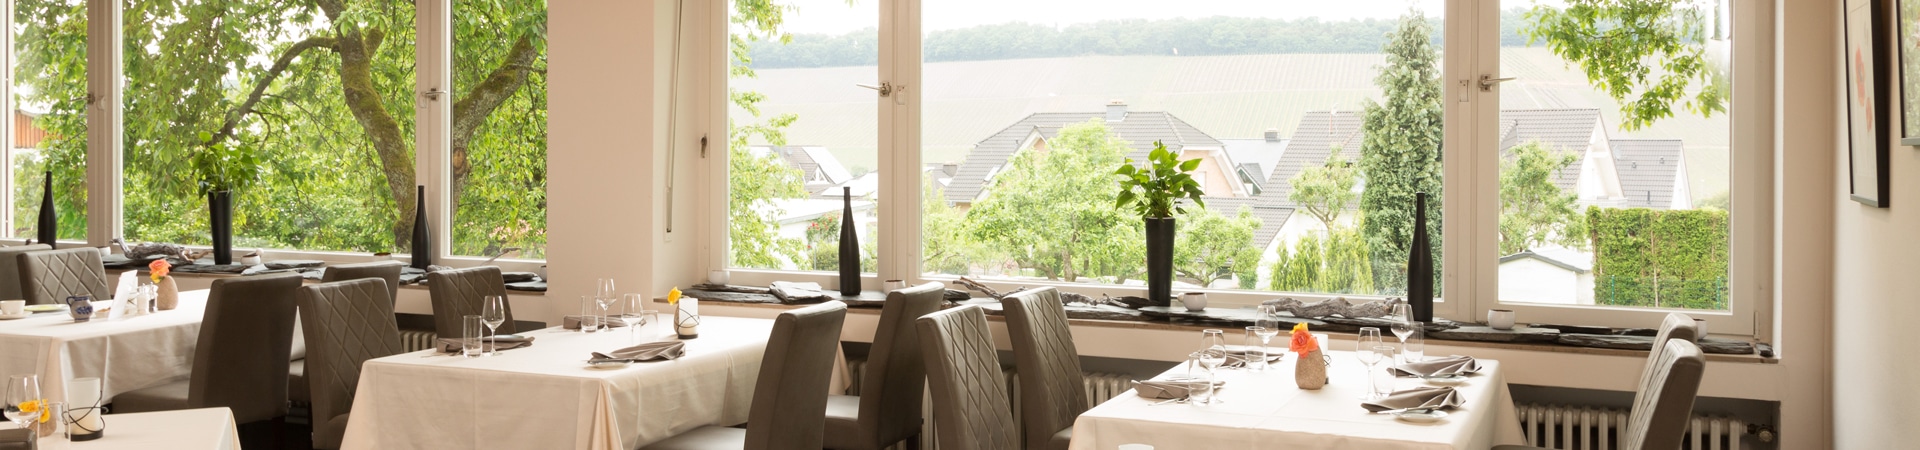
[[422, 245], [1420, 264], [49, 222], [849, 247], [220, 220], [1160, 260]]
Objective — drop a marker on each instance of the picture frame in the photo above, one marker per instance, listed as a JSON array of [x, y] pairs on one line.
[[1866, 91], [1906, 33]]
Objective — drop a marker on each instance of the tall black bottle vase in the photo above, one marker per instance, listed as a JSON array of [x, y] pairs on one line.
[[49, 225], [849, 246], [1160, 235], [1420, 264], [422, 249], [220, 223]]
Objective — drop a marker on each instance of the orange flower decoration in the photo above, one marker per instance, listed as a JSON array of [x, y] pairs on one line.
[[1302, 342], [159, 268]]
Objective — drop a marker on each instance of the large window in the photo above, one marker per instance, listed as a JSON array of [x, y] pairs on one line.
[[498, 139], [49, 118]]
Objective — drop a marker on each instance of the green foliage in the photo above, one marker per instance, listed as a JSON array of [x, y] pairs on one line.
[[1400, 151], [1155, 190], [823, 246], [1648, 55], [1046, 212], [945, 246], [1335, 261], [1660, 258], [1534, 211], [754, 183], [50, 71], [225, 166], [1326, 191], [1210, 246]]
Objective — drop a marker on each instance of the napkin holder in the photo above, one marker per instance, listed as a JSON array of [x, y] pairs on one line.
[[686, 318], [84, 422]]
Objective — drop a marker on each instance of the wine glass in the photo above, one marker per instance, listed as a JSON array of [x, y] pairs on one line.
[[630, 307], [1269, 324], [1213, 353], [1363, 349], [24, 404], [493, 311], [1403, 324]]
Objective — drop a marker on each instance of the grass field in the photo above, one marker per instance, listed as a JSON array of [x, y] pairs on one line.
[[1228, 97]]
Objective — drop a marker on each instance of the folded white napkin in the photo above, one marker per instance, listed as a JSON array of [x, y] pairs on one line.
[[1424, 397], [1171, 388], [1451, 365]]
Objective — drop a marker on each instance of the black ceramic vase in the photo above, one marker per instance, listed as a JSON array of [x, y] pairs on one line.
[[849, 247], [49, 222], [1420, 264], [422, 241], [220, 223], [1160, 232]]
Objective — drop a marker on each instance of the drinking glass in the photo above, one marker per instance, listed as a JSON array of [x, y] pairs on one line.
[[1381, 390], [1203, 361], [1213, 345], [1256, 355], [1403, 324], [24, 390], [588, 321], [471, 327], [1415, 347], [1269, 323], [61, 435], [1363, 349], [630, 314], [493, 311]]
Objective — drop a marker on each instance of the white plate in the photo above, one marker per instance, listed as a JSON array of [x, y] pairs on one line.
[[1446, 381], [1422, 416], [609, 364], [22, 315], [46, 308]]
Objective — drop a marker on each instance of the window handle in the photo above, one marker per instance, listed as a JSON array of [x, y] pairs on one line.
[[1487, 82], [885, 88], [433, 94]]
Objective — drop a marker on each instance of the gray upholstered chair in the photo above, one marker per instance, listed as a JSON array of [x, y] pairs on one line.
[[347, 323], [49, 277], [10, 269], [1664, 402], [1676, 326], [963, 373], [1052, 393], [459, 292], [791, 394], [888, 408], [385, 270], [245, 332]]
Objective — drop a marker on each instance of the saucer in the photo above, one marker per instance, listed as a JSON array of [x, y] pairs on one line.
[[1421, 416], [609, 363], [46, 308], [1446, 381], [21, 315]]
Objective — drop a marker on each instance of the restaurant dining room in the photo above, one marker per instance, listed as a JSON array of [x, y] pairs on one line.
[[957, 225]]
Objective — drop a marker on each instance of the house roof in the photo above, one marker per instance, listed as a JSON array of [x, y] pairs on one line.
[[818, 167], [1647, 169], [1575, 265], [1562, 130], [1139, 128], [1319, 132], [1272, 218], [1258, 156]]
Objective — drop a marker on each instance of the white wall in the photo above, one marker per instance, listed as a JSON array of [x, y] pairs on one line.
[[1874, 297], [1537, 281], [1806, 90]]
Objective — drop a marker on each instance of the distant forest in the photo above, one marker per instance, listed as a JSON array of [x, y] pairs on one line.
[[1189, 37]]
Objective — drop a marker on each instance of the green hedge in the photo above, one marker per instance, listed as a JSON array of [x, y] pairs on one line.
[[1664, 258]]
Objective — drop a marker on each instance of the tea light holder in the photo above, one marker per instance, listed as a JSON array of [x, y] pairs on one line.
[[84, 422], [686, 318]]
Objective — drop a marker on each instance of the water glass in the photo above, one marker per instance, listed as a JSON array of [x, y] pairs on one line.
[[1213, 348], [1197, 360], [54, 435], [471, 329], [589, 315], [1415, 350], [1381, 389], [1256, 349]]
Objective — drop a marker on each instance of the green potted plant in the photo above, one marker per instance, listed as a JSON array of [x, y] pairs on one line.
[[221, 168], [1155, 191]]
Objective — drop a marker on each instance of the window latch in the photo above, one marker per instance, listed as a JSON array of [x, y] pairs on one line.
[[433, 94], [1488, 81], [885, 88]]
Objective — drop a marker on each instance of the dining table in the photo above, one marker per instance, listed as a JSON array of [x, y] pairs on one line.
[[183, 429], [1259, 409], [547, 396], [126, 352]]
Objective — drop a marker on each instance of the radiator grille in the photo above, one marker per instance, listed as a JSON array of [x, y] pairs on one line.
[[1100, 387], [1572, 427]]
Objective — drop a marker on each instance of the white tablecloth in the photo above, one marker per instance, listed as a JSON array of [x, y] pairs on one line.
[[187, 429], [1266, 410], [127, 354], [547, 397]]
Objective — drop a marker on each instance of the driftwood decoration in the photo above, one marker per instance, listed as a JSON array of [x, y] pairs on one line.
[[1337, 306], [981, 288], [142, 251]]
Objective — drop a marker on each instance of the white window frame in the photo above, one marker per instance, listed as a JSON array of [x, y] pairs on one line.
[[1471, 206], [434, 57]]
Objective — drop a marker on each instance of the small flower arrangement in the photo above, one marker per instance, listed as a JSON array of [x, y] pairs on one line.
[[159, 267], [1302, 342], [673, 296]]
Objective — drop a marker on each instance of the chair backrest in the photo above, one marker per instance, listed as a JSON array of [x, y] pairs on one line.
[[892, 387], [963, 373], [1052, 392], [347, 323], [385, 270], [459, 292], [1664, 404], [50, 276], [1676, 326], [789, 409], [240, 362], [10, 269]]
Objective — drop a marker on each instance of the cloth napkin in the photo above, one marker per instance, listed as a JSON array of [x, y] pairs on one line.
[[504, 342], [664, 350], [1451, 365], [573, 322], [1424, 397], [1167, 389]]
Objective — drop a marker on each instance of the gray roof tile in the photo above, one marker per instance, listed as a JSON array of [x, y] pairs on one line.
[[1140, 129], [1647, 170]]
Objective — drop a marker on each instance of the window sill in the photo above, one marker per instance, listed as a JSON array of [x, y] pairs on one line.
[[114, 273]]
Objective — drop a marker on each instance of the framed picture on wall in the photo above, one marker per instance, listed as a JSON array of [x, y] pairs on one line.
[[1907, 37], [1867, 136]]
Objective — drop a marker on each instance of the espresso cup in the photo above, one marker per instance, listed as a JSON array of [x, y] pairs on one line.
[[892, 285], [13, 307], [1500, 319]]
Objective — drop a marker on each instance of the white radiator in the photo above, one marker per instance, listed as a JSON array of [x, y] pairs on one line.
[[1570, 427], [1100, 387]]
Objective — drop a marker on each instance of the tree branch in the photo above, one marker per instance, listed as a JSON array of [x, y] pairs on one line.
[[260, 86]]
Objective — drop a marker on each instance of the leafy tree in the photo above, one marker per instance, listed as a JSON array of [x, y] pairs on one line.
[[1534, 211], [1298, 268], [755, 183], [1647, 55], [1047, 212], [945, 246], [1325, 191], [51, 65], [1400, 150], [1211, 246], [1333, 261]]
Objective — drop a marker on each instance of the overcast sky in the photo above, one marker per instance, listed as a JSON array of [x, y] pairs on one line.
[[836, 17]]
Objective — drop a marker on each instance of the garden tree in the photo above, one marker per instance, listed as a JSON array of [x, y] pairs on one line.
[[1211, 246], [754, 183], [1332, 261], [1325, 191], [823, 245], [945, 246], [1400, 151], [1297, 268], [1647, 55], [1534, 211], [1048, 211], [51, 65]]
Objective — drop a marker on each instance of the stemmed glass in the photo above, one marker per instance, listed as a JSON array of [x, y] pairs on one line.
[[493, 312], [630, 307], [1403, 323], [1213, 353], [1363, 349], [23, 399], [1269, 326]]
